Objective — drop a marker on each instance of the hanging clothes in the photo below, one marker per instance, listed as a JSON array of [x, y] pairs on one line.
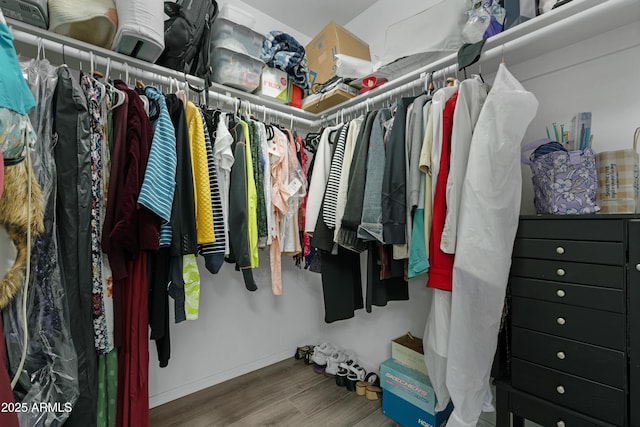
[[129, 229], [252, 198], [302, 214], [349, 148], [418, 253], [321, 168], [322, 237], [157, 194], [200, 172], [440, 263], [279, 199], [426, 168], [14, 91], [472, 94], [296, 185], [94, 92], [183, 223], [489, 210], [259, 174], [107, 275], [183, 210], [394, 216], [158, 185], [213, 253], [440, 266], [341, 284], [223, 155], [51, 355], [370, 227], [266, 181], [382, 288], [240, 251], [131, 292], [356, 188]]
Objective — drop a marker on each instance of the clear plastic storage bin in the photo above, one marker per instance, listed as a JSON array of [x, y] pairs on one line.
[[235, 14], [235, 69], [236, 37]]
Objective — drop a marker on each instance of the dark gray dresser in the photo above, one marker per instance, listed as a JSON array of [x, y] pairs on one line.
[[574, 323]]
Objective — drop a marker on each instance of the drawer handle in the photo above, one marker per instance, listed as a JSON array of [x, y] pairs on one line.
[[561, 293], [560, 389], [638, 267], [560, 250], [560, 272], [561, 321], [561, 424], [561, 355]]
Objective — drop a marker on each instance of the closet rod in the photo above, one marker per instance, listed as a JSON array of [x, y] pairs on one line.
[[121, 64], [561, 27]]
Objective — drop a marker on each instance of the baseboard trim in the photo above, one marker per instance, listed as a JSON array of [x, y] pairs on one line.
[[217, 378]]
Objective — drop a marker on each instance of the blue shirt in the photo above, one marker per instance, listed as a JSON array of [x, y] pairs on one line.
[[14, 91], [159, 182]]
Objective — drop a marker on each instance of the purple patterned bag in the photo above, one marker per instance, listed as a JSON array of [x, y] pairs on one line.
[[564, 182]]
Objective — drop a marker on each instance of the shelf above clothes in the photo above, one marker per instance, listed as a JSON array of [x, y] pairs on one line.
[[562, 27], [569, 24]]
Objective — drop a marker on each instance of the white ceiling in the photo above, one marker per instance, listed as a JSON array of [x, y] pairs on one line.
[[309, 17]]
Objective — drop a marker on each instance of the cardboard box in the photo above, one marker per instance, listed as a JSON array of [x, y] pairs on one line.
[[321, 51], [319, 102], [408, 396], [274, 84], [407, 415], [408, 350]]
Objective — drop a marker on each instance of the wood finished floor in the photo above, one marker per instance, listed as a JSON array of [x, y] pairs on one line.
[[288, 393]]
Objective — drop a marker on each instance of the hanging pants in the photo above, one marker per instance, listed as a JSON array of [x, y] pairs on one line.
[[133, 356]]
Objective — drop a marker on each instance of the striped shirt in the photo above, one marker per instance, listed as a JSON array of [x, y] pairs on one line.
[[216, 203], [333, 183], [159, 181]]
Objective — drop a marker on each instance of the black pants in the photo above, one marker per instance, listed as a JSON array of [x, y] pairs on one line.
[[341, 284]]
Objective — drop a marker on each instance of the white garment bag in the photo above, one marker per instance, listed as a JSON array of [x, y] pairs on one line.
[[489, 210]]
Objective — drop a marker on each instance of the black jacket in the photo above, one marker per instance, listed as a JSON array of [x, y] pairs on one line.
[[183, 211]]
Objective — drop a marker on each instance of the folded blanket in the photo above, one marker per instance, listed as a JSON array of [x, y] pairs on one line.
[[94, 21], [280, 50]]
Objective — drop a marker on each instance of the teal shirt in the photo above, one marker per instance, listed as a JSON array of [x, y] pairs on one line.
[[14, 91]]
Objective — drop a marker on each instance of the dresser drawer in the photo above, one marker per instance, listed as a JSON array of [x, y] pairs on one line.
[[548, 414], [588, 397], [584, 360], [570, 272], [611, 253], [567, 293], [597, 327], [601, 230]]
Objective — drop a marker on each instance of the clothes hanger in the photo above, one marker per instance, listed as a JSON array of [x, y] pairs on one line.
[[119, 95]]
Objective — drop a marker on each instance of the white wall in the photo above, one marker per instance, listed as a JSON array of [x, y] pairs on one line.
[[238, 331], [371, 24], [598, 75]]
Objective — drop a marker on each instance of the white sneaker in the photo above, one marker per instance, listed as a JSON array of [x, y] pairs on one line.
[[321, 353], [333, 362]]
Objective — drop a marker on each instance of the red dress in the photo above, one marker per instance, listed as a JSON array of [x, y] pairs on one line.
[[440, 263]]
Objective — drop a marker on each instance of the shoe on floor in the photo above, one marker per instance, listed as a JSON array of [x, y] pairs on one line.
[[321, 354], [334, 361]]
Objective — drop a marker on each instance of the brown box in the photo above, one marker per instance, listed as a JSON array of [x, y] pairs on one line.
[[319, 102], [408, 351], [322, 50]]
